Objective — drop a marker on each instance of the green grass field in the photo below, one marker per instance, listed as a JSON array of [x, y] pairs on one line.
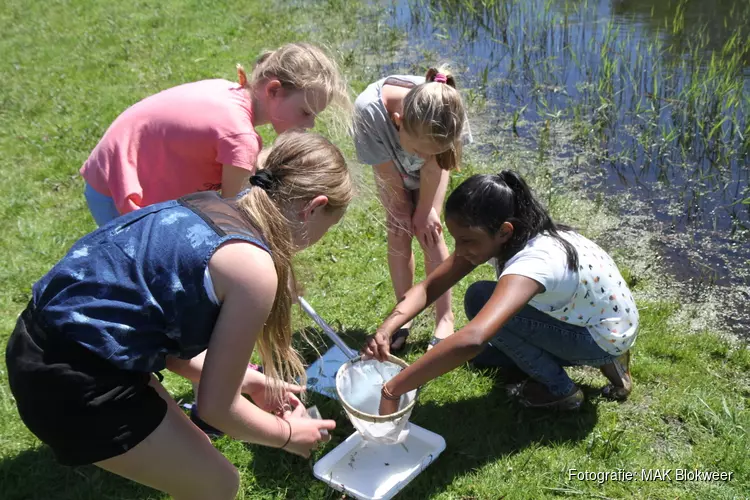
[[69, 67]]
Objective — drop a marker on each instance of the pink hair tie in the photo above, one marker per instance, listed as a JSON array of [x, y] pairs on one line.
[[440, 78]]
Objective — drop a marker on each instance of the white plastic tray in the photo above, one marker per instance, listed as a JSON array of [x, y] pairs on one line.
[[371, 471]]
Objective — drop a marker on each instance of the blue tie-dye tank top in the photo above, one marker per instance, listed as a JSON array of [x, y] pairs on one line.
[[132, 291]]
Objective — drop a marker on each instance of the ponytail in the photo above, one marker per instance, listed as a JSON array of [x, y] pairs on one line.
[[299, 167], [487, 201], [280, 360], [450, 80]]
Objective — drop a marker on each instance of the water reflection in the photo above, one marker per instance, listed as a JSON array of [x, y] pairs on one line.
[[656, 93]]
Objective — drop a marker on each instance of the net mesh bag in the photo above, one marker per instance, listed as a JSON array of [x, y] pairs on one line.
[[358, 385]]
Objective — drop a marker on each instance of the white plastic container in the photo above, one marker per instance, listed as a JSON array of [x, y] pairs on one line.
[[370, 471]]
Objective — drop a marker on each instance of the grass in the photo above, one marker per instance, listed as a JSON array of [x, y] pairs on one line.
[[70, 67]]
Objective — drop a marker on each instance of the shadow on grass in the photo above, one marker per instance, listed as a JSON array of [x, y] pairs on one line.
[[283, 475], [36, 475], [477, 431], [481, 430]]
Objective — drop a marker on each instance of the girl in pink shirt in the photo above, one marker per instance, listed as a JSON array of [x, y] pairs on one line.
[[201, 136]]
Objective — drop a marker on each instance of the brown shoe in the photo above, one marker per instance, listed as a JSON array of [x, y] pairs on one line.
[[536, 395], [618, 373]]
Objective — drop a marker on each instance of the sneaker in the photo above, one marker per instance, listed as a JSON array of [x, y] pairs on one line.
[[618, 373], [536, 395]]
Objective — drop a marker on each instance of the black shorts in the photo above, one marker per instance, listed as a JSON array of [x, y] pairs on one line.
[[83, 407]]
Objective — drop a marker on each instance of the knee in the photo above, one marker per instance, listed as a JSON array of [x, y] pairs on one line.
[[223, 483], [228, 482], [399, 230], [433, 252], [477, 296]]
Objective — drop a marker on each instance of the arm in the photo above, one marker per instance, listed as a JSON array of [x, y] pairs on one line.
[[188, 368], [421, 295], [512, 293], [433, 184], [233, 179], [246, 282], [238, 155], [254, 383]]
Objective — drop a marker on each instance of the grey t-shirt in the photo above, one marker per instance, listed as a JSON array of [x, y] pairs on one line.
[[376, 136]]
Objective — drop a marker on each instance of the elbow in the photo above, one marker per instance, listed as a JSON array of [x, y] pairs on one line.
[[211, 411], [473, 342], [175, 364], [205, 411]]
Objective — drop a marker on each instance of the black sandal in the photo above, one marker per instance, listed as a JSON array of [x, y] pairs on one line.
[[398, 339]]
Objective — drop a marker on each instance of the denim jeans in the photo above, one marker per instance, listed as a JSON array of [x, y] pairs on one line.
[[102, 207], [535, 342]]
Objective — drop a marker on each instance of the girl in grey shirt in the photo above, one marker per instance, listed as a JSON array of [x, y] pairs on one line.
[[411, 130]]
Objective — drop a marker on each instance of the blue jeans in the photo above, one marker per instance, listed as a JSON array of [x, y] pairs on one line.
[[102, 207], [536, 343]]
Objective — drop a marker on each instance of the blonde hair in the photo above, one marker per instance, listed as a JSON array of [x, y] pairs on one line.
[[436, 110], [300, 66], [303, 165]]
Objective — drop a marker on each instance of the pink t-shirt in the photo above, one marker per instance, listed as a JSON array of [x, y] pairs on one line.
[[174, 143]]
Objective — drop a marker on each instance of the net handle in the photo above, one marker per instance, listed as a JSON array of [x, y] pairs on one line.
[[367, 417]]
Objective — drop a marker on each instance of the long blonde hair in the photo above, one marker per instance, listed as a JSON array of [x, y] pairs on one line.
[[300, 66], [435, 110], [303, 165]]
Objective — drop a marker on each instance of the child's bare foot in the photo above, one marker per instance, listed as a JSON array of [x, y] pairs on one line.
[[443, 330], [398, 339]]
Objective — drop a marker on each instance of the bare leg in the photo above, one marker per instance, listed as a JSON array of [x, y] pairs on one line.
[[178, 459], [444, 319], [433, 257], [399, 207]]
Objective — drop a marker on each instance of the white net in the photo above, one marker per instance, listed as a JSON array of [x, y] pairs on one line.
[[358, 384]]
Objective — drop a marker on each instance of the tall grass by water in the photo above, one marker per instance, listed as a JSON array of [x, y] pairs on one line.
[[654, 99]]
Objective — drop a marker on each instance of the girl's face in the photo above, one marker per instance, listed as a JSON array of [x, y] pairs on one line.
[[475, 244], [289, 109], [423, 147], [315, 219]]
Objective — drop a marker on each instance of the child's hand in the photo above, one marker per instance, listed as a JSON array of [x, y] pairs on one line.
[[427, 228], [305, 431], [258, 386], [378, 346]]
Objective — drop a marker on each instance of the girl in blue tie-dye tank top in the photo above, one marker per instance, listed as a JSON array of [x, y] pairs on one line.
[[155, 289]]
